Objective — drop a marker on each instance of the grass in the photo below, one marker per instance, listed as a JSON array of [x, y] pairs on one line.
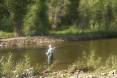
[[91, 31], [70, 30], [6, 34], [11, 69], [91, 63]]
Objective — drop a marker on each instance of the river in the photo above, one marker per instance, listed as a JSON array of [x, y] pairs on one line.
[[68, 52]]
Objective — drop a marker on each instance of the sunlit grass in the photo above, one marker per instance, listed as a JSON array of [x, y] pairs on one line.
[[6, 34], [70, 30], [90, 31], [92, 63], [9, 68]]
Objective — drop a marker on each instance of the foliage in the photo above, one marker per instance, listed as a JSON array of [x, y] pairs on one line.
[[6, 65], [11, 69], [71, 30], [5, 24], [37, 17], [93, 63], [16, 11], [36, 22], [6, 34]]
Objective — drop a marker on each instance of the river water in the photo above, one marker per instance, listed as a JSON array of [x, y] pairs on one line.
[[68, 52]]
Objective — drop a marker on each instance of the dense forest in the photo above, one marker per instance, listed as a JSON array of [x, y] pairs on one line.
[[39, 17]]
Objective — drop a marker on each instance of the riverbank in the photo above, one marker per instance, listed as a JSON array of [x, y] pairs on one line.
[[43, 41], [32, 73], [83, 37], [26, 42], [66, 74], [24, 69]]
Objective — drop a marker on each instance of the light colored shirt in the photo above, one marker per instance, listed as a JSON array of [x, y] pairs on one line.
[[50, 50]]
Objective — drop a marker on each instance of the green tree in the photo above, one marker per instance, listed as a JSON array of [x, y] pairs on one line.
[[72, 14], [36, 19], [4, 18], [56, 12], [17, 10]]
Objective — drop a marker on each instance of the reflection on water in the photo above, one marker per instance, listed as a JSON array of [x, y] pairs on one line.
[[68, 52]]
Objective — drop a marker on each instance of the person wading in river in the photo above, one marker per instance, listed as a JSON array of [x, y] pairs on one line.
[[50, 53]]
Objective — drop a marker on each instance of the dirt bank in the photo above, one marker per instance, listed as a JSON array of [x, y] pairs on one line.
[[24, 42], [40, 41]]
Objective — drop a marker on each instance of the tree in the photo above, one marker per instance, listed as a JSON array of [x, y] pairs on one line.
[[36, 19], [4, 18], [17, 9]]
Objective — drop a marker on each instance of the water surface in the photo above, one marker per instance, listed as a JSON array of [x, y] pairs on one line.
[[67, 52]]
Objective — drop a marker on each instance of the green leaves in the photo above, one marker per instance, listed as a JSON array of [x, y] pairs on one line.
[[36, 20], [37, 17]]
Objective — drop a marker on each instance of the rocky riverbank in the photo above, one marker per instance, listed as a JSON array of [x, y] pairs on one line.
[[26, 42], [30, 73], [77, 74], [41, 41]]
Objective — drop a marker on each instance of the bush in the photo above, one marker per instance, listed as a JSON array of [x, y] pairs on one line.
[[6, 34], [11, 69]]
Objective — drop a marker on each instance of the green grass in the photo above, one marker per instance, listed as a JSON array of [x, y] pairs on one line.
[[9, 68], [91, 31], [92, 63], [6, 34], [70, 30]]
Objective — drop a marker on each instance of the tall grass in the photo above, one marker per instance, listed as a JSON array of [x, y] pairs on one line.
[[9, 68], [70, 30], [6, 66], [92, 63], [6, 34], [12, 69], [91, 30]]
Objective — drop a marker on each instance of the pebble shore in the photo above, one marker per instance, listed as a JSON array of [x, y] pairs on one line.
[[64, 74], [26, 42]]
